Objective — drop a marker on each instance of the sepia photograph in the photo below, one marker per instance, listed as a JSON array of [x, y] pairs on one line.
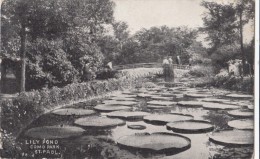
[[129, 79]]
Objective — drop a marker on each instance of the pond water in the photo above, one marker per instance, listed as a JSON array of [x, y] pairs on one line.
[[102, 143]]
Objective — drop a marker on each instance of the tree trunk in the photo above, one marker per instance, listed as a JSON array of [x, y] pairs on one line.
[[23, 61], [241, 39]]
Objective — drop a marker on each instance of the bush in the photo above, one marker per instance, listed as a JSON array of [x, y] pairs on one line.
[[106, 74], [201, 71], [235, 83]]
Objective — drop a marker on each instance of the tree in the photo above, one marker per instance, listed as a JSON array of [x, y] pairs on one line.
[[224, 24], [158, 42], [75, 24], [245, 12], [121, 32], [219, 24]]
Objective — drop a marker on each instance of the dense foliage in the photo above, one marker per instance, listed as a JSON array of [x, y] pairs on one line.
[[59, 38], [224, 25]]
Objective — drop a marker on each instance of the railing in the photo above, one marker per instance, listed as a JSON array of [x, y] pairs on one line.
[[148, 65]]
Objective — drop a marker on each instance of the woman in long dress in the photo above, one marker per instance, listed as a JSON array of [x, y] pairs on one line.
[[171, 71], [166, 69]]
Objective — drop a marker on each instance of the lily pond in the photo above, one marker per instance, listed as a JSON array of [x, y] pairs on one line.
[[167, 121]]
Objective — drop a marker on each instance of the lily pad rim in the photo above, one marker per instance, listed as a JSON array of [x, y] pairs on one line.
[[121, 122], [228, 144], [190, 131], [158, 151], [55, 126], [53, 112]]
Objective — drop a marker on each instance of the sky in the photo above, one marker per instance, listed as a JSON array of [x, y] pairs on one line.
[[173, 13]]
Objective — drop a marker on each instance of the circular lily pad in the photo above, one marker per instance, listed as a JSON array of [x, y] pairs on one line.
[[144, 95], [124, 99], [110, 108], [242, 124], [197, 95], [164, 94], [161, 98], [190, 103], [179, 88], [217, 106], [162, 119], [157, 107], [190, 126], [71, 111], [127, 115], [98, 122], [163, 103], [240, 96], [137, 127], [54, 132], [233, 137], [115, 102], [155, 142], [241, 113], [214, 100]]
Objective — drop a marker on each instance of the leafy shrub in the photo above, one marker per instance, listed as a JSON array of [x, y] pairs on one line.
[[235, 83], [106, 73], [201, 71]]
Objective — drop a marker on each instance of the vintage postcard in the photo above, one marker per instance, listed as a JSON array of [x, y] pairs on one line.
[[99, 79]]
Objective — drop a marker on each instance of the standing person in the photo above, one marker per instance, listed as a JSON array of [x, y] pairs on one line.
[[170, 60], [165, 65], [171, 71], [240, 68], [247, 70], [109, 65], [190, 60], [179, 60]]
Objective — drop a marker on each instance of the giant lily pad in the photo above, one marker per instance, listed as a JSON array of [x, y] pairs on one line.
[[233, 137], [110, 108], [240, 96], [197, 95], [241, 113], [215, 100], [71, 111], [217, 106], [242, 124], [54, 132], [144, 95], [128, 92], [179, 88], [161, 98], [127, 115], [98, 122], [162, 119], [163, 103], [190, 126], [157, 107], [190, 103], [124, 99], [155, 143], [168, 94], [115, 102], [137, 127]]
